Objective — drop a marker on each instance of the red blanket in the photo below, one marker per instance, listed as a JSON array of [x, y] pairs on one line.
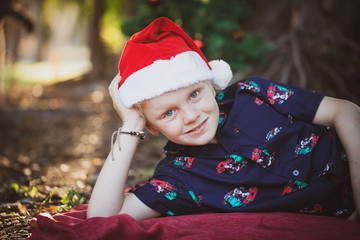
[[74, 225]]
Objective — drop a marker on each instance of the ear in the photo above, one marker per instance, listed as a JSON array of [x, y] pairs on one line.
[[152, 130]]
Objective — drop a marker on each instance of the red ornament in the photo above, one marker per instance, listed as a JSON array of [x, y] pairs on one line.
[[199, 43], [238, 34]]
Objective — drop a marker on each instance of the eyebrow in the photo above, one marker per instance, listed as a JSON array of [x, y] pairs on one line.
[[158, 114]]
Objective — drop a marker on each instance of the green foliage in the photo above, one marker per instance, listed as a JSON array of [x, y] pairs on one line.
[[26, 191], [218, 24], [30, 192], [85, 6], [69, 200], [111, 35], [15, 186], [73, 198], [47, 199]]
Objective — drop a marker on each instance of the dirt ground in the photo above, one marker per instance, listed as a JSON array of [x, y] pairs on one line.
[[54, 139]]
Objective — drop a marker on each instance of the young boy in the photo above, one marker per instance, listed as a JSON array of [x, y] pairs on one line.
[[255, 146]]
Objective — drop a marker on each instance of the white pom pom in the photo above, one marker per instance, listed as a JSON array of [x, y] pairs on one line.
[[222, 73]]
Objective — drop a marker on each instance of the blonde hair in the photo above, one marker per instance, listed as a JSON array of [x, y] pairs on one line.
[[139, 109]]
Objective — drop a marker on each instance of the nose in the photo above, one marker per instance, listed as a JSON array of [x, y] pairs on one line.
[[190, 114]]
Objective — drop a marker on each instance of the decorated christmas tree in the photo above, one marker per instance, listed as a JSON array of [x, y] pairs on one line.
[[217, 26]]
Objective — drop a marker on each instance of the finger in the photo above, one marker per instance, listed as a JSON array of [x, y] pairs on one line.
[[114, 93], [113, 87], [114, 83]]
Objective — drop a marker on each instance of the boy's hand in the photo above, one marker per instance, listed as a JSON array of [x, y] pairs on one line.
[[128, 115]]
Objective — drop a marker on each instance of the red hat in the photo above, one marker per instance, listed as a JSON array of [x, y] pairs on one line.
[[163, 58]]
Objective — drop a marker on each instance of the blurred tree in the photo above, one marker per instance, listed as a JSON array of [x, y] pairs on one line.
[[38, 7], [218, 27], [2, 63], [110, 32], [90, 15], [87, 14], [8, 10], [104, 14], [95, 44], [316, 44]]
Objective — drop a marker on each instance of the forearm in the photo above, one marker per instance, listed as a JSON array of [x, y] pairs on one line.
[[345, 117], [347, 125], [108, 193]]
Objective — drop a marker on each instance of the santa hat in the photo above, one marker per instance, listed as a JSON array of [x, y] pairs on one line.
[[163, 58]]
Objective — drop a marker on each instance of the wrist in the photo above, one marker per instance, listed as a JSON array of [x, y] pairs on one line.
[[140, 134], [137, 125], [131, 137]]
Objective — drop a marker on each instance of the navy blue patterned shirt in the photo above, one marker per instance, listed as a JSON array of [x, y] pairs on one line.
[[269, 158]]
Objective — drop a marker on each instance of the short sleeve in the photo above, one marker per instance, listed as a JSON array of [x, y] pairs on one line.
[[300, 103], [156, 194], [166, 191]]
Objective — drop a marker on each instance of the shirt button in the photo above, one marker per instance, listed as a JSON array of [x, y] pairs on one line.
[[296, 172]]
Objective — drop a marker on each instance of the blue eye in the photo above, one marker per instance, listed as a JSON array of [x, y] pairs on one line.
[[194, 94], [169, 113]]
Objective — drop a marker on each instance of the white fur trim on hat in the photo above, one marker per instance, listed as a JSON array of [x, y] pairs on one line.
[[162, 76], [222, 73]]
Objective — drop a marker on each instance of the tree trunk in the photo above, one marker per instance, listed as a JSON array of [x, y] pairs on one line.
[[95, 44], [130, 7], [40, 33], [2, 64]]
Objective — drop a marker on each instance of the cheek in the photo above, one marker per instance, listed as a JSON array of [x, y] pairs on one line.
[[168, 128], [211, 107]]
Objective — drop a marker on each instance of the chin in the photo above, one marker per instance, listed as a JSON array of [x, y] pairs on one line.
[[200, 141]]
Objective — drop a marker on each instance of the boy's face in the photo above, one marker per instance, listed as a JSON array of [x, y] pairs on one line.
[[188, 116]]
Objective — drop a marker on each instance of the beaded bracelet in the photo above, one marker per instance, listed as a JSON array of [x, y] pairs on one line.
[[140, 134]]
